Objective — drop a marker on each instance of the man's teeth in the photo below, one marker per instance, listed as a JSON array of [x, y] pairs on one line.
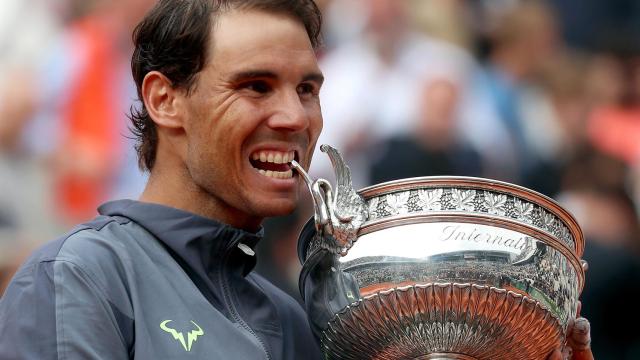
[[276, 157], [277, 174], [278, 160]]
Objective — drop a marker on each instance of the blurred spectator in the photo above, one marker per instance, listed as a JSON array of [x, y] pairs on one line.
[[343, 21], [63, 138], [433, 148], [594, 192], [451, 21], [370, 91], [25, 29], [91, 154], [506, 116], [615, 127], [568, 94], [592, 185]]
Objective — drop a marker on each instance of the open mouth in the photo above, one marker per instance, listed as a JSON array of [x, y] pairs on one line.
[[273, 164]]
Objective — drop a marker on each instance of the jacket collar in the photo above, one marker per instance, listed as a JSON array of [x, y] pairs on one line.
[[200, 242]]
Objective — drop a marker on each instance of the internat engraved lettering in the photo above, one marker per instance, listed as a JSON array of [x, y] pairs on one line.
[[458, 233], [229, 93]]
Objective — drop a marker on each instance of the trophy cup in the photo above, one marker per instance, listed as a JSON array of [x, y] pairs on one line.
[[438, 268]]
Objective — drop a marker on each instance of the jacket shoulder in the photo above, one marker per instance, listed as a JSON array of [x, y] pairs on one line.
[[57, 289], [83, 236], [96, 247]]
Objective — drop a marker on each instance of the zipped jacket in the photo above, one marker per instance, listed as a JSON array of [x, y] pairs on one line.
[[145, 281]]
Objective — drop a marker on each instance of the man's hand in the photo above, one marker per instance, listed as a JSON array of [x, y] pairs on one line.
[[578, 341]]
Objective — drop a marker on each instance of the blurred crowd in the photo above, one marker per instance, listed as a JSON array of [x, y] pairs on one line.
[[545, 94]]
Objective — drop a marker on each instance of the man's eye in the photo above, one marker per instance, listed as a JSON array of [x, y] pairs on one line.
[[261, 87], [306, 88]]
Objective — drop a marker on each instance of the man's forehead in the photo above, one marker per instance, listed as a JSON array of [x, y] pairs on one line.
[[234, 29], [261, 41]]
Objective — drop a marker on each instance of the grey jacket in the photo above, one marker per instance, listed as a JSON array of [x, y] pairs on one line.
[[146, 281]]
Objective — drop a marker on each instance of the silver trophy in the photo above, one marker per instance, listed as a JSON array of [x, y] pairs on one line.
[[438, 268]]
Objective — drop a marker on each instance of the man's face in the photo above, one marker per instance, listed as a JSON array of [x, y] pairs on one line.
[[255, 107]]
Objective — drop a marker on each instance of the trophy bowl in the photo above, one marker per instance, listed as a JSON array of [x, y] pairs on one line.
[[439, 268]]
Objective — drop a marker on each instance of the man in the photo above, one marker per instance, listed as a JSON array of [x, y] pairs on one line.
[[230, 92]]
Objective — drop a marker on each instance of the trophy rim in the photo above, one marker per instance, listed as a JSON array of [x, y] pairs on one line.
[[477, 183]]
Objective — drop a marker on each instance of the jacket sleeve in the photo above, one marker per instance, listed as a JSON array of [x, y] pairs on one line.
[[54, 310]]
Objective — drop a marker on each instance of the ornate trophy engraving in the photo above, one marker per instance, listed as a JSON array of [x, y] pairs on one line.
[[438, 268]]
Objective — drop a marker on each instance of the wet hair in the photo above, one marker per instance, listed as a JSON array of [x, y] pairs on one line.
[[173, 39]]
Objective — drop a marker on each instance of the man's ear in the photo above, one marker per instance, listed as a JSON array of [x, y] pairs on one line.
[[162, 100]]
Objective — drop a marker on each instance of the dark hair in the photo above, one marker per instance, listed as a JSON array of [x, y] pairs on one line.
[[172, 39]]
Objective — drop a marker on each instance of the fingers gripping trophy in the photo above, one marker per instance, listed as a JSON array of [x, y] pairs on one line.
[[441, 268]]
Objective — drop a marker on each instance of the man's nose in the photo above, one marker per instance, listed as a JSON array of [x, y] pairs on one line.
[[290, 113]]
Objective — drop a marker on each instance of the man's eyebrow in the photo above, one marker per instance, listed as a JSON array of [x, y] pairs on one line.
[[256, 74], [316, 77], [252, 74]]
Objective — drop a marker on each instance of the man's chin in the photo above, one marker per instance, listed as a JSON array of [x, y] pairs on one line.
[[278, 207]]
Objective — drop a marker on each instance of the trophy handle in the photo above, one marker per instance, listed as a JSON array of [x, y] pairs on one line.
[[321, 193], [338, 215]]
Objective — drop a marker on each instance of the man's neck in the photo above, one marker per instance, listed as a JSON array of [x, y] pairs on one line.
[[171, 187]]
